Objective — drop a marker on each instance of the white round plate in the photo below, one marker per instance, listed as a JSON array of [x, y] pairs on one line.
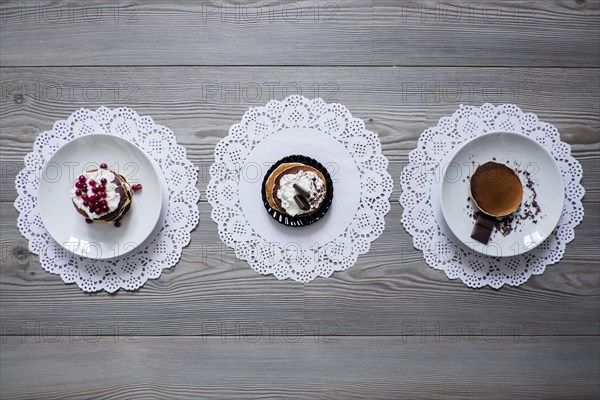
[[100, 240], [520, 152]]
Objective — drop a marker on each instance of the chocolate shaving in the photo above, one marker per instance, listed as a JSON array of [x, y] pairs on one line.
[[302, 202], [302, 192]]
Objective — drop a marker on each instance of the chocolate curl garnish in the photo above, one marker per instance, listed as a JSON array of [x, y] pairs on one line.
[[302, 202], [300, 190]]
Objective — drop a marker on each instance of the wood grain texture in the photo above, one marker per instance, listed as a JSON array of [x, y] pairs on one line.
[[389, 291], [483, 33], [378, 32], [386, 293], [389, 327], [258, 367], [200, 104]]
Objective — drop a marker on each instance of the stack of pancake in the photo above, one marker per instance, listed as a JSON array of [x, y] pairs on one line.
[[123, 206]]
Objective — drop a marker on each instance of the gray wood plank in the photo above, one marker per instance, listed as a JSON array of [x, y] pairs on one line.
[[264, 367], [484, 33], [200, 104], [377, 32], [389, 291], [390, 288], [425, 336], [187, 32]]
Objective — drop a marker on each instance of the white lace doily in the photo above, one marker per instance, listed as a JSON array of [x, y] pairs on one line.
[[337, 134], [128, 272], [418, 216]]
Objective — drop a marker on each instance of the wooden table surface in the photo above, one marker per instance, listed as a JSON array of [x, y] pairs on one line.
[[389, 327]]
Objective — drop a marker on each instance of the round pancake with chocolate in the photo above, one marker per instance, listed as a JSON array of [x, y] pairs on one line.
[[496, 189], [273, 182]]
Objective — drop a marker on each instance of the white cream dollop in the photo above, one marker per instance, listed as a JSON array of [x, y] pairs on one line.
[[308, 181], [112, 196]]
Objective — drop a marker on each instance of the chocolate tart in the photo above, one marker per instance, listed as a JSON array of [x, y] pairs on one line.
[[291, 165], [272, 184]]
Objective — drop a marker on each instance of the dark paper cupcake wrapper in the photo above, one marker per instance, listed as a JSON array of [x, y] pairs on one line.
[[301, 220]]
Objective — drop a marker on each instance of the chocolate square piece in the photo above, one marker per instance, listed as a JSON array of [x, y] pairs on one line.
[[481, 234], [486, 221], [483, 228]]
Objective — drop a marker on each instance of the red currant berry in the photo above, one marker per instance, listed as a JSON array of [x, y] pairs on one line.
[[92, 209], [85, 197], [78, 192], [82, 178], [103, 194], [92, 182], [78, 185], [136, 187], [86, 203], [103, 181], [101, 188], [88, 221], [94, 190], [103, 166]]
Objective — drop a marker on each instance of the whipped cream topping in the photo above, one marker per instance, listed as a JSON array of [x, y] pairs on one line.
[[308, 181], [112, 196]]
